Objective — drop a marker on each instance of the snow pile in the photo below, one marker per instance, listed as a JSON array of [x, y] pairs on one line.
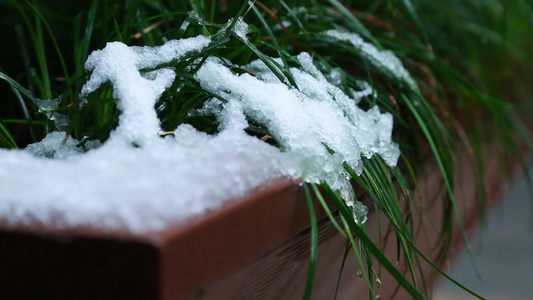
[[144, 187], [137, 93], [55, 145], [140, 189], [311, 122], [141, 182], [383, 59]]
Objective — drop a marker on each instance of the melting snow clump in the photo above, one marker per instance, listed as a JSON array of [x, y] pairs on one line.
[[137, 93], [56, 144], [141, 182], [144, 188], [382, 58], [241, 28], [318, 124]]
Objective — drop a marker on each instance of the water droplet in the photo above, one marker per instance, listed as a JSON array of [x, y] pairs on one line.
[[359, 273], [378, 296]]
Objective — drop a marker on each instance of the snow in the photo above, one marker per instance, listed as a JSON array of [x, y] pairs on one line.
[[141, 182], [56, 144], [309, 122], [360, 213], [47, 106], [146, 187], [137, 92], [241, 28], [383, 58], [138, 189]]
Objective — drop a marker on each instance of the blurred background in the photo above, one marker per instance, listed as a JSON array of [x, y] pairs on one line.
[[503, 250]]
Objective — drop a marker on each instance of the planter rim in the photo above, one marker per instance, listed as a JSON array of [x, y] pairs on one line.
[[154, 237]]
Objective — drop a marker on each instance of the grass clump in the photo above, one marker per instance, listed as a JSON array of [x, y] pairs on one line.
[[466, 60]]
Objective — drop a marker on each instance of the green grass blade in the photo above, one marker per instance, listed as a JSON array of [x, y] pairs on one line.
[[341, 269], [320, 198], [356, 24], [52, 37], [446, 275], [17, 86], [132, 7], [6, 140], [373, 249], [117, 31], [445, 176], [285, 70], [91, 19]]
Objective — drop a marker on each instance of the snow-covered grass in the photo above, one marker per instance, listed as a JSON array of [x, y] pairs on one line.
[[124, 184], [188, 105]]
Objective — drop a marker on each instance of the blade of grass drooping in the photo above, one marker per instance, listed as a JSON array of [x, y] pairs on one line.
[[26, 113], [193, 102], [358, 255], [409, 193], [414, 15], [44, 84], [21, 121], [292, 15], [184, 26], [445, 177], [240, 13], [375, 173], [25, 54], [436, 268], [376, 193], [17, 86], [131, 6], [371, 83], [368, 257], [196, 7], [117, 31], [445, 144], [373, 249], [46, 90], [341, 269], [402, 182], [212, 11], [356, 24], [276, 45], [268, 61], [489, 35], [314, 244], [446, 275], [391, 212], [53, 39], [6, 140], [318, 194], [104, 111], [89, 27]]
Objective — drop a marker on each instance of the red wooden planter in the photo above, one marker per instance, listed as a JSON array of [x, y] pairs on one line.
[[257, 248]]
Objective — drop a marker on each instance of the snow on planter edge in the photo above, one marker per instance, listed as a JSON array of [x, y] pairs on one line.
[[167, 180]]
